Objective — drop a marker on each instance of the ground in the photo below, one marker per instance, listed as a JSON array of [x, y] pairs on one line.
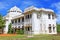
[[25, 37]]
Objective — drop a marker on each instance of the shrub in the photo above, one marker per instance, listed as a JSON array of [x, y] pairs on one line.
[[19, 31], [58, 27]]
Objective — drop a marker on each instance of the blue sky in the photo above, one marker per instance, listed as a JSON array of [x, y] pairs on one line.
[[5, 5]]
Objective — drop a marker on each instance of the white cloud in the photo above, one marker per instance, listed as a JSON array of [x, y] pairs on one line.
[[57, 7]]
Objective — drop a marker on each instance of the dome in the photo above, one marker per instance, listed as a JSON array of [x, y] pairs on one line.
[[14, 9]]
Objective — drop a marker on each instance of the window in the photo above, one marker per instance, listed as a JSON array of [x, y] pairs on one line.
[[28, 29], [53, 28], [12, 11], [19, 20], [49, 16], [28, 16], [49, 28], [49, 25], [12, 21], [15, 21], [19, 11], [38, 15], [18, 26], [52, 16], [23, 19]]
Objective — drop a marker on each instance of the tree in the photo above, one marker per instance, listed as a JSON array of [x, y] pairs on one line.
[[2, 22], [10, 28], [58, 28]]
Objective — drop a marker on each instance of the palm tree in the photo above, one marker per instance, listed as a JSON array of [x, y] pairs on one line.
[[2, 23]]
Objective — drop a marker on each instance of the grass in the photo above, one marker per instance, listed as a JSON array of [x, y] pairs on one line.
[[36, 37], [44, 37]]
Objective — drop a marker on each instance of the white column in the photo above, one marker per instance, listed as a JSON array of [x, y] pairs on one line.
[[55, 30], [17, 23], [8, 21], [14, 23], [52, 29]]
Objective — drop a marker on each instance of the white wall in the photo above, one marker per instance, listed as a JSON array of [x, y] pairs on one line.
[[47, 21], [36, 27], [35, 24]]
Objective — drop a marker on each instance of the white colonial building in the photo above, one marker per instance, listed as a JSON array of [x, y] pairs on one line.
[[33, 20]]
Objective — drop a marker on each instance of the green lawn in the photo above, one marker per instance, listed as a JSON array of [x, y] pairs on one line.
[[36, 37]]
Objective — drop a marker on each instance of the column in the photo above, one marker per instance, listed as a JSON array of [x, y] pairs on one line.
[[55, 30], [52, 29], [17, 23]]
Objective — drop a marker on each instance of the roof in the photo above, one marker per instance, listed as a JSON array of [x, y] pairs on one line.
[[15, 8], [37, 9], [18, 16], [32, 8]]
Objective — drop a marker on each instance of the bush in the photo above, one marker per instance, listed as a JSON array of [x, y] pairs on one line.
[[19, 31], [58, 27]]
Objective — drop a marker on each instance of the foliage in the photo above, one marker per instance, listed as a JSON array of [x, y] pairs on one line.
[[17, 31], [2, 22], [58, 27], [20, 31], [10, 28]]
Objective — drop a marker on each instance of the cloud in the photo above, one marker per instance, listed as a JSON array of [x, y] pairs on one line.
[[57, 7]]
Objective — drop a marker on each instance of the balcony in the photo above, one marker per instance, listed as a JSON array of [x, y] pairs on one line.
[[27, 22]]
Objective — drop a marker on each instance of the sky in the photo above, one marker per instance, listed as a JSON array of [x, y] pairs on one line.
[[5, 5]]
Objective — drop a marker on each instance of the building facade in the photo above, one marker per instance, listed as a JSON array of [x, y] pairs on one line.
[[33, 20]]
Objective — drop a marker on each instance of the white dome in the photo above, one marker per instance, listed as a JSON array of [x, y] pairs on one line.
[[15, 9]]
